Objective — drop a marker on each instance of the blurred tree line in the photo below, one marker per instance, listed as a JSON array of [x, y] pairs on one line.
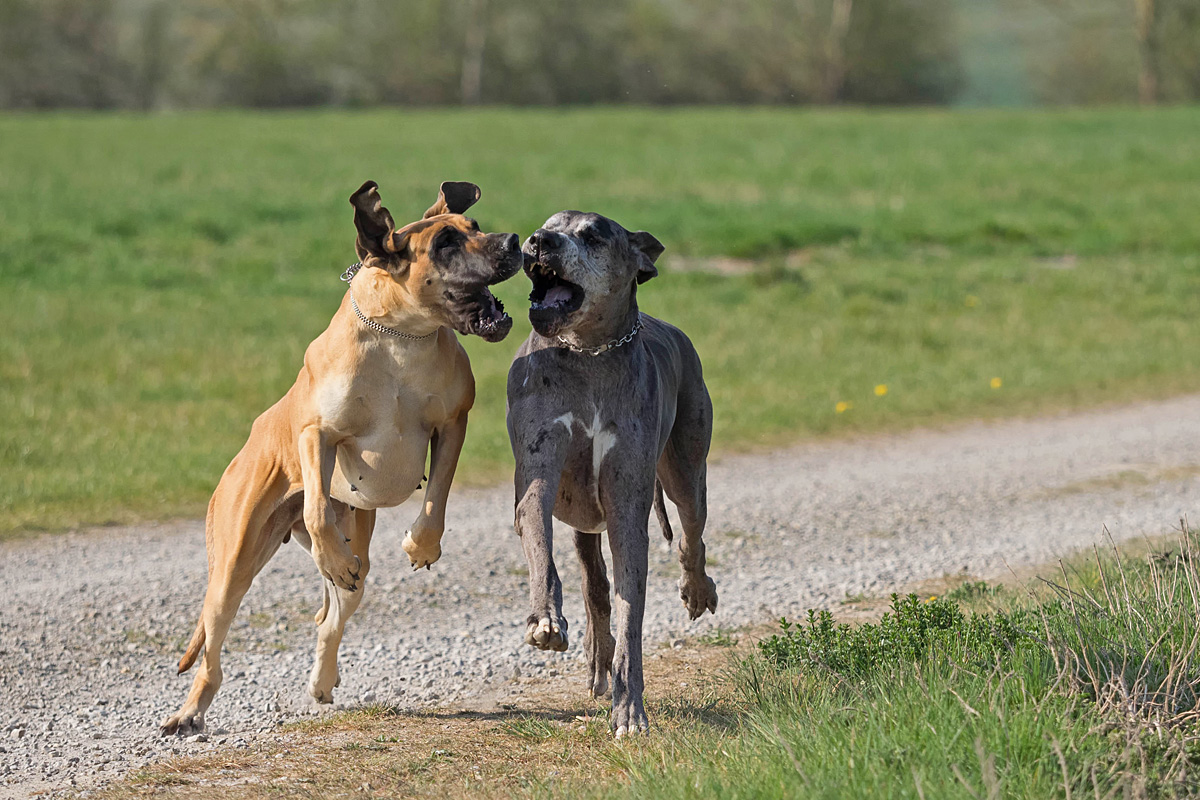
[[1103, 51], [189, 53], [201, 53]]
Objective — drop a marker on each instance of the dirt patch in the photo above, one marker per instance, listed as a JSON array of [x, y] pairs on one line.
[[725, 265], [1123, 479], [549, 733]]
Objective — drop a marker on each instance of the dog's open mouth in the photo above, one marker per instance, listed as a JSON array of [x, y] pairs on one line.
[[552, 292], [489, 320]]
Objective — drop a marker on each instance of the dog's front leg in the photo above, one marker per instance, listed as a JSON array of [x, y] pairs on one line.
[[539, 470], [423, 542], [330, 549]]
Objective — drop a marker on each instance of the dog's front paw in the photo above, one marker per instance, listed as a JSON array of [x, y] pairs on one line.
[[342, 567], [183, 722], [421, 555], [629, 718], [546, 634], [698, 593]]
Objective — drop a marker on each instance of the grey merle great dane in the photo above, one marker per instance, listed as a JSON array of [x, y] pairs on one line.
[[607, 408]]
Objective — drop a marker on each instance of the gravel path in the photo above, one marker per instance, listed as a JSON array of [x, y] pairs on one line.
[[93, 623]]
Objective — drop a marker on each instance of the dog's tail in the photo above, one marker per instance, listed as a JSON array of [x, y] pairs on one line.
[[660, 510], [197, 642], [193, 648]]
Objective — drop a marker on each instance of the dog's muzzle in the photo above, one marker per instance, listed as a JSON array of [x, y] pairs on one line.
[[553, 298]]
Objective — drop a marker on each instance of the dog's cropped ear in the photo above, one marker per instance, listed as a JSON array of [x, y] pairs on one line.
[[454, 197], [376, 230], [648, 249]]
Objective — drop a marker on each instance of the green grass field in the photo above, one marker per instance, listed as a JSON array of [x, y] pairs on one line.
[[161, 276]]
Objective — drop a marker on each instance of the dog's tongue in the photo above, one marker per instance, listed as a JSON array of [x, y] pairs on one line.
[[557, 296]]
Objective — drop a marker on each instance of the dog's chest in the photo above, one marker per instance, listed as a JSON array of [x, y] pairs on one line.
[[383, 461], [578, 503]]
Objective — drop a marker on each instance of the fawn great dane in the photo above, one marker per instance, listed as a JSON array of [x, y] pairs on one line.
[[386, 385]]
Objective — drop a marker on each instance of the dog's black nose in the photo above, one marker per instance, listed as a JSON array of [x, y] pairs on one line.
[[540, 238], [513, 242]]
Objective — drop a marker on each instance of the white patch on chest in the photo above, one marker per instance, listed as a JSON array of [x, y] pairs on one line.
[[602, 440]]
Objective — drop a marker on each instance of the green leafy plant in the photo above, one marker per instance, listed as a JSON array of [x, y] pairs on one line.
[[911, 631]]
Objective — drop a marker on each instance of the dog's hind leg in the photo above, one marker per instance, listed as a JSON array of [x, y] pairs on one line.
[[683, 472], [240, 545], [598, 641], [628, 538], [338, 607]]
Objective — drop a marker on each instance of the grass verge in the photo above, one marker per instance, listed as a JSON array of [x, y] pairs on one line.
[[1081, 684]]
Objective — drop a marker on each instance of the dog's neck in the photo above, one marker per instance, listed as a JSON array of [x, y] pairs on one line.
[[610, 330], [383, 301]]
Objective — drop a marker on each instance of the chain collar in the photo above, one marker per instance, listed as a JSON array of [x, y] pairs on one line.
[[348, 276], [604, 348]]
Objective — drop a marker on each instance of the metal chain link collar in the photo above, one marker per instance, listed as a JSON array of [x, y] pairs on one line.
[[348, 276], [604, 348]]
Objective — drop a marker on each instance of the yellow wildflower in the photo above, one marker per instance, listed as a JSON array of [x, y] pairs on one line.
[[842, 407], [972, 301], [996, 383], [881, 390]]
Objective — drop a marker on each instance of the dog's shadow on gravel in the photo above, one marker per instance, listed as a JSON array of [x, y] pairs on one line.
[[670, 712]]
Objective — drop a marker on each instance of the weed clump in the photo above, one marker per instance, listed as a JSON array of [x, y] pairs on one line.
[[1086, 683], [913, 631], [973, 591]]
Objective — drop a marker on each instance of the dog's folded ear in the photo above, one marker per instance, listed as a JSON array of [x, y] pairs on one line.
[[648, 249], [454, 197], [376, 230]]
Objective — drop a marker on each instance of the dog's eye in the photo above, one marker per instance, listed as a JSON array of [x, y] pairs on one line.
[[445, 239], [591, 235]]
